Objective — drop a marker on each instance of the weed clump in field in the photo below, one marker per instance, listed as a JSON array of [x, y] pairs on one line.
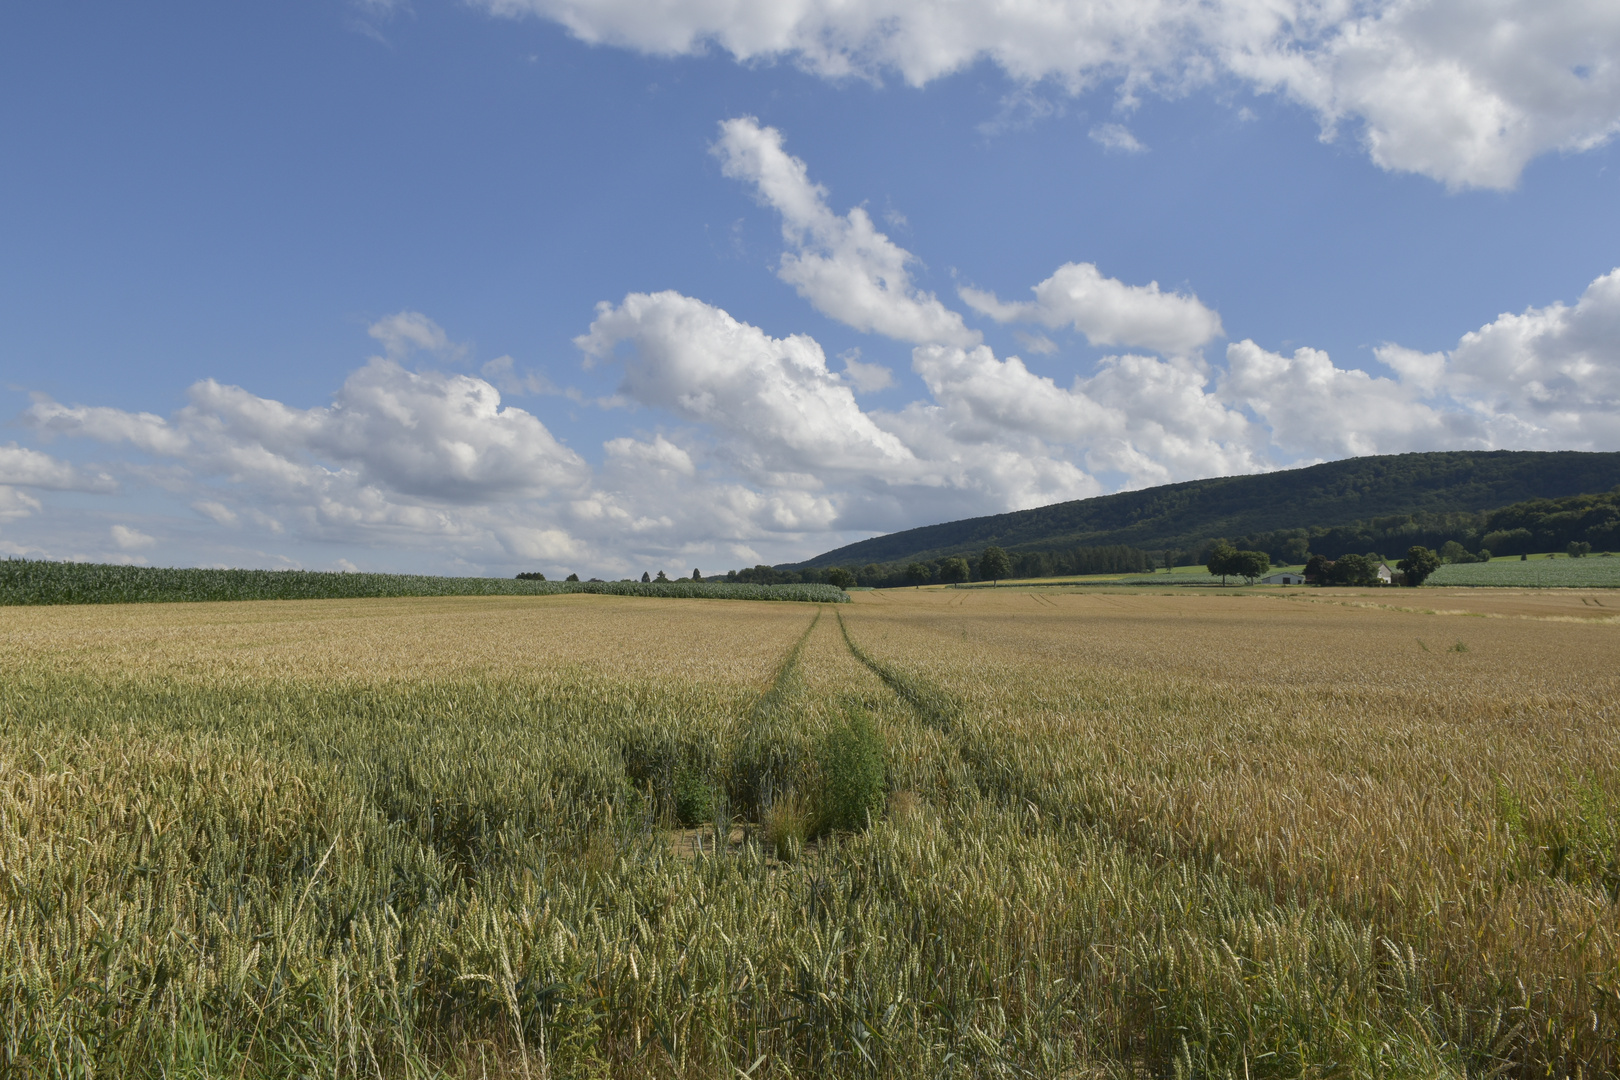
[[784, 826], [852, 774], [1573, 836], [694, 797]]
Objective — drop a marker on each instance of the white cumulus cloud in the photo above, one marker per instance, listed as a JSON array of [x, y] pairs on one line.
[[1548, 377], [1461, 91], [131, 539], [781, 408], [1107, 311], [16, 504], [1116, 137], [1315, 409], [842, 265], [23, 467], [428, 434], [405, 332], [864, 377]]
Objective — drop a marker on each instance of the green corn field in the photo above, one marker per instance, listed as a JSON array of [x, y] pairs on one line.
[[34, 581]]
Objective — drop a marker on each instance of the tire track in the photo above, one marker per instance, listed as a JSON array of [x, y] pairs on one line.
[[937, 707], [771, 700], [759, 762]]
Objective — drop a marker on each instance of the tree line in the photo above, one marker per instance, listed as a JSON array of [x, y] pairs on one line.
[[994, 563], [1523, 528]]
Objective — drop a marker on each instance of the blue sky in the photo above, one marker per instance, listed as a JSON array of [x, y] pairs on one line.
[[318, 284]]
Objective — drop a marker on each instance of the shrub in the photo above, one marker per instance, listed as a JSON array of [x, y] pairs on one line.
[[852, 773], [694, 798]]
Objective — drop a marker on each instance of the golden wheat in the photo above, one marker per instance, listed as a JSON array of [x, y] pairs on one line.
[[1210, 834]]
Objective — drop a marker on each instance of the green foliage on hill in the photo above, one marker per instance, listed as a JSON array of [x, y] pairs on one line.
[[28, 581], [1356, 505]]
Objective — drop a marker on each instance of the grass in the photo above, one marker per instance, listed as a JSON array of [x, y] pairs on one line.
[[26, 581], [1127, 834]]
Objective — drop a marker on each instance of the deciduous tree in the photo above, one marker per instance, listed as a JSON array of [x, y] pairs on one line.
[[1354, 570], [1251, 565], [1419, 563], [1222, 558], [994, 564]]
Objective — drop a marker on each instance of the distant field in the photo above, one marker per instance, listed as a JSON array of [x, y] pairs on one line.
[[1593, 571], [1539, 571], [1181, 575], [1250, 833], [24, 581]]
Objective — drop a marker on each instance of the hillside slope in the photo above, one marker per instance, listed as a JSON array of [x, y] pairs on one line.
[[1188, 514]]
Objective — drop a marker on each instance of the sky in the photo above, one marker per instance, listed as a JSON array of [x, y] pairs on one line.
[[613, 286]]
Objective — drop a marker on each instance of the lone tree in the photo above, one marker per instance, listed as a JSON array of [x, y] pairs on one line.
[[695, 575], [954, 570], [1579, 549], [840, 578], [1222, 559], [645, 576], [994, 564], [918, 574], [661, 576], [1419, 563]]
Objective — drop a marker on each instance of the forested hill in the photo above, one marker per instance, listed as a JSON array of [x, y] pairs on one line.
[[1187, 515]]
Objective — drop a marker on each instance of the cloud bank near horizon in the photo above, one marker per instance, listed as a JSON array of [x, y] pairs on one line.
[[741, 446]]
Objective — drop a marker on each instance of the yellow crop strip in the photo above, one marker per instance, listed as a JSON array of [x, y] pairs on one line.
[[1196, 834]]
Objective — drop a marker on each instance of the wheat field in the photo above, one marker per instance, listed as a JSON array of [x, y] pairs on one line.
[[1304, 833]]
